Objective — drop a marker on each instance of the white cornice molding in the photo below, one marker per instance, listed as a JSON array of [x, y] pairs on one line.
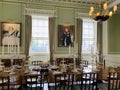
[[55, 3], [30, 11], [81, 15], [79, 4]]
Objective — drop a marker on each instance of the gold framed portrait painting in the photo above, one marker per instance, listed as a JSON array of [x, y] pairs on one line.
[[66, 35], [10, 33]]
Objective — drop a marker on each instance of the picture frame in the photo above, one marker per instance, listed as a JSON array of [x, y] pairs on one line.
[[66, 35], [10, 33]]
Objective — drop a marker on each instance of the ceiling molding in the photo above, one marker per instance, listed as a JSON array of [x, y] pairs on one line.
[[44, 12], [80, 4]]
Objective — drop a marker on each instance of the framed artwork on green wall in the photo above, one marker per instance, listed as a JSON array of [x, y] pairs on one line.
[[10, 33], [66, 35]]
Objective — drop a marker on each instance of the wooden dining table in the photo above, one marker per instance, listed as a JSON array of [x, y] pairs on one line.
[[102, 72], [16, 73]]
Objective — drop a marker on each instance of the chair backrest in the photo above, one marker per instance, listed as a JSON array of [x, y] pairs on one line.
[[6, 62], [45, 73], [44, 64], [64, 81], [34, 81], [85, 63], [18, 62], [89, 81], [114, 81], [44, 70], [4, 82], [36, 63]]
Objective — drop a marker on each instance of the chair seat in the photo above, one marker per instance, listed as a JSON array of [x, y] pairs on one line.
[[113, 81], [34, 81], [4, 82], [89, 81]]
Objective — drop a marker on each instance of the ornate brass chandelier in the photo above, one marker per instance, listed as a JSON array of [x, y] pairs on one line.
[[103, 12]]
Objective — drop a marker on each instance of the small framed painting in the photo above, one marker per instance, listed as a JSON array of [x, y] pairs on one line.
[[10, 33]]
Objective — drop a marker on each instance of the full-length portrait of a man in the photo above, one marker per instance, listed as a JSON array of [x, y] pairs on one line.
[[66, 38]]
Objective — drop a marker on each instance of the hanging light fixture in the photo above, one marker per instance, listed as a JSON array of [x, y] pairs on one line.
[[103, 13]]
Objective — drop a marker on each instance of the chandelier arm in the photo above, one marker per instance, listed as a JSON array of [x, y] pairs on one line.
[[116, 2]]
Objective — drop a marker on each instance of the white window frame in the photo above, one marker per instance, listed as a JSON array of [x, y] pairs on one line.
[[94, 45], [39, 38]]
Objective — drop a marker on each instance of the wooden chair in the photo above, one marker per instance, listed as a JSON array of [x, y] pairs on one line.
[[89, 81], [4, 82], [51, 80], [36, 63], [34, 81], [44, 64], [45, 72], [18, 62], [6, 62], [114, 81], [85, 63], [64, 81]]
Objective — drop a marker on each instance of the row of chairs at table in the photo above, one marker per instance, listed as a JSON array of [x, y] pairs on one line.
[[65, 81], [9, 62], [28, 81]]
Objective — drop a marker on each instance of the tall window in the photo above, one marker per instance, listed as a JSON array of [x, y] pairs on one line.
[[89, 36], [40, 35]]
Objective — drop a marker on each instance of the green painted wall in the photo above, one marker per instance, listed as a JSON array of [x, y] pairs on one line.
[[114, 34], [14, 12], [64, 16], [1, 10]]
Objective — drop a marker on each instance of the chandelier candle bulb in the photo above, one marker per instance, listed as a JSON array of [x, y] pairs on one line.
[[110, 13], [115, 8], [105, 6]]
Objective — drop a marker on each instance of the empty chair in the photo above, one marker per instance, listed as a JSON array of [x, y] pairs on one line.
[[34, 82], [4, 82], [6, 62], [64, 81], [85, 63], [18, 62], [44, 72], [89, 81], [36, 63], [114, 81], [44, 64]]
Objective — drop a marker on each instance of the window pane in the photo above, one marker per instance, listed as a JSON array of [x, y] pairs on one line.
[[88, 36], [40, 35], [39, 46]]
